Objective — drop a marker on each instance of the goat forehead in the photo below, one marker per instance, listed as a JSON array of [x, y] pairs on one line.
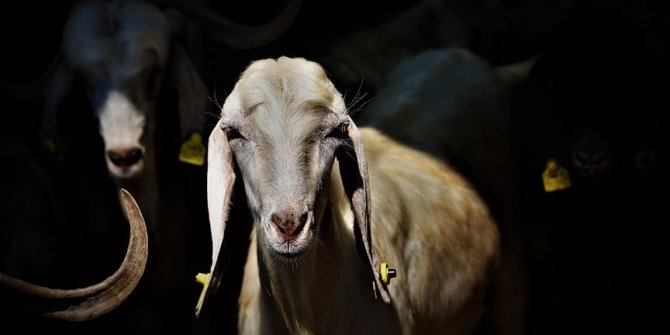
[[289, 97], [121, 123], [103, 33]]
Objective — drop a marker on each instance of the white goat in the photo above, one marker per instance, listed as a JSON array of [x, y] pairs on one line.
[[305, 168], [80, 304]]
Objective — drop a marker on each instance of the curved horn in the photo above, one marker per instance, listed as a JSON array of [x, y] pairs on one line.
[[239, 36], [89, 302]]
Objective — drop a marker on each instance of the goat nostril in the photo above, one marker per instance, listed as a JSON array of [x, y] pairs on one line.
[[300, 224], [125, 157], [303, 218], [278, 222], [287, 224]]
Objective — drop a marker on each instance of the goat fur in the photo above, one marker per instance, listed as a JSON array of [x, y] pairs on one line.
[[367, 57], [425, 219], [123, 50], [454, 105]]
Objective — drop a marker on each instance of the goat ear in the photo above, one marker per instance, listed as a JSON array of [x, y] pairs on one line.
[[354, 172], [220, 182], [57, 88], [193, 105], [516, 73]]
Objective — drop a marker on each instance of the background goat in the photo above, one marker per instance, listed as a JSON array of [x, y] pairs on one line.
[[305, 165], [454, 105], [131, 59], [366, 58], [592, 104], [121, 49]]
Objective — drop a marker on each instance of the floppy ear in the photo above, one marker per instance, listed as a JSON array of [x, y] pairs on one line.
[[354, 172], [193, 104], [220, 182]]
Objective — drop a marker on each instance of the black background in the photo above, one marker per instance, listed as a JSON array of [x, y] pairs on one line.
[[594, 254]]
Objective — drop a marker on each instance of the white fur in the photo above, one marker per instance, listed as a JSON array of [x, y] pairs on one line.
[[121, 126], [427, 221]]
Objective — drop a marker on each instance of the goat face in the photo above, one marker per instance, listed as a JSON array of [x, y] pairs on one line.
[[120, 51], [284, 138], [285, 124]]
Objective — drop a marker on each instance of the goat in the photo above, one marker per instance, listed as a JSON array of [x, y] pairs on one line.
[[320, 191], [90, 302], [366, 57], [122, 50], [454, 105], [129, 56]]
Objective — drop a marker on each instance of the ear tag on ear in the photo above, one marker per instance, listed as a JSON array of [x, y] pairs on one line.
[[386, 273], [192, 150], [202, 278], [374, 289], [555, 177]]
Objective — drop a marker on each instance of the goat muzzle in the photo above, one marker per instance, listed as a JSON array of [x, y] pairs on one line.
[[289, 224]]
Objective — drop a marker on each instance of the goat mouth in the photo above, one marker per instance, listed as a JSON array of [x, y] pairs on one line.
[[125, 175], [289, 250], [125, 172], [290, 257], [292, 254]]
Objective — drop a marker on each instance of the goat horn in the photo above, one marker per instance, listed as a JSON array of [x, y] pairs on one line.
[[89, 302], [239, 36]]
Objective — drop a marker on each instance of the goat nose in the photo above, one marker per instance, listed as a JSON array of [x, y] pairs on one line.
[[125, 157], [288, 223]]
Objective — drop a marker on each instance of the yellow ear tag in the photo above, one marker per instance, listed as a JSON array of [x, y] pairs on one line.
[[387, 273], [555, 177], [192, 150], [202, 278]]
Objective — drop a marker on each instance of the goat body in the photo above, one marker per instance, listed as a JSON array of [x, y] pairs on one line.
[[366, 58], [330, 202]]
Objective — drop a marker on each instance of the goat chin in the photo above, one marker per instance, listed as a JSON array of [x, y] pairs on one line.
[[125, 172]]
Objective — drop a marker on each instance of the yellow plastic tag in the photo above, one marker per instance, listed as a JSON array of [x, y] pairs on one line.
[[555, 177], [193, 151], [202, 278]]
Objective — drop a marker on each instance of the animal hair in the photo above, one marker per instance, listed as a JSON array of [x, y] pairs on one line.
[[330, 202]]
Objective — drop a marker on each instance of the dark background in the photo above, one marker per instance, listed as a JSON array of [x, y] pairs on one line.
[[594, 254]]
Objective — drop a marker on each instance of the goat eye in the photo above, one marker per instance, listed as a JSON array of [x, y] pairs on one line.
[[340, 131], [232, 133]]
